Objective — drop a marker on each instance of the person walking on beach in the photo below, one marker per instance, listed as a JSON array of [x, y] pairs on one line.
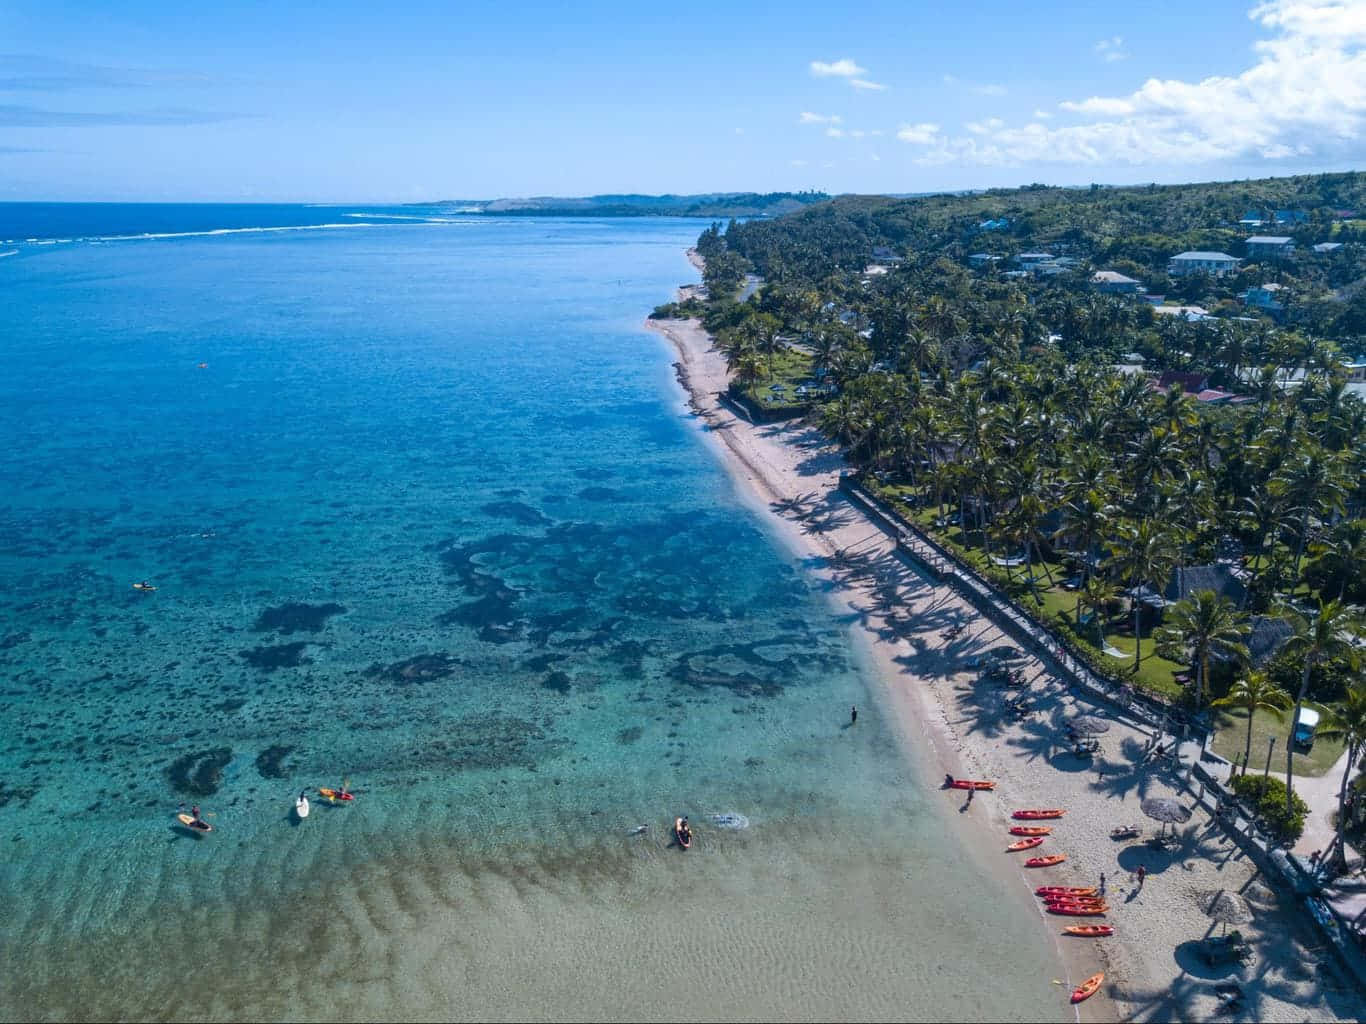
[[1142, 873], [853, 714], [1102, 883]]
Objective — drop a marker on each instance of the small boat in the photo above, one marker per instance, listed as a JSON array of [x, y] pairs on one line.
[[1035, 815], [301, 806], [1089, 931], [1031, 830], [336, 794], [1025, 844], [1045, 862], [190, 821], [684, 836], [1076, 910], [1064, 890], [1087, 988], [1125, 832], [971, 784]]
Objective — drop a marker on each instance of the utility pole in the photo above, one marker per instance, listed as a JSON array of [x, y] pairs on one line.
[[1270, 746]]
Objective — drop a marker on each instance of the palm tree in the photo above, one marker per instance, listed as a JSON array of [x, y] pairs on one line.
[[1255, 691], [1206, 624], [1324, 637], [1148, 556], [1346, 722], [1097, 595]]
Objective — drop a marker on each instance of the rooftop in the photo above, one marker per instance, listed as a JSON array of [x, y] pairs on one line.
[[1269, 240]]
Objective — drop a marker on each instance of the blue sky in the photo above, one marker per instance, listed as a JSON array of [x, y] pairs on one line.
[[360, 102]]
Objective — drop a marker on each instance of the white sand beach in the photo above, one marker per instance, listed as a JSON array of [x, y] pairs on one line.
[[952, 722]]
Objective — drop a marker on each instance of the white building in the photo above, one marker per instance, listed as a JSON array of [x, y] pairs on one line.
[[1216, 263]]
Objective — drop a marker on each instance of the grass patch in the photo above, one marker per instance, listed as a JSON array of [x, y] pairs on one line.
[[1230, 740], [790, 368]]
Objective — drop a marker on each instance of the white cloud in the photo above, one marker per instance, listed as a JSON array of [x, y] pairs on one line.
[[922, 134], [810, 118], [1304, 95], [856, 134], [863, 83], [835, 133], [842, 68], [991, 124], [989, 90], [875, 132], [950, 79], [1111, 49], [797, 163], [739, 131], [1042, 115]]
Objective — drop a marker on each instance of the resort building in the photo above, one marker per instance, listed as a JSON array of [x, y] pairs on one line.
[[1111, 282], [1028, 260], [978, 260], [1196, 262], [1269, 246], [1267, 297], [1327, 247]]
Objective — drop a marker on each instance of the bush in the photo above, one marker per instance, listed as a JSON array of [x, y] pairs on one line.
[[1266, 795]]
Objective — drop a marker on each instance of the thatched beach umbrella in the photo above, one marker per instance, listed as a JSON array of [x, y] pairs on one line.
[[1090, 725], [1166, 810], [1228, 908]]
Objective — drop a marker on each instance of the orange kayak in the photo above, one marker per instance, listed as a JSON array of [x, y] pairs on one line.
[[1044, 862], [1077, 909], [1089, 931], [1031, 830], [1087, 988], [336, 794], [1063, 890], [1024, 844], [1035, 815], [972, 784]]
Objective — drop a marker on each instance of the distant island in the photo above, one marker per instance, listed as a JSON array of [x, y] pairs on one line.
[[712, 204]]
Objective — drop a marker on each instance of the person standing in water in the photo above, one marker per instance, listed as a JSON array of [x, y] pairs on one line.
[[853, 714]]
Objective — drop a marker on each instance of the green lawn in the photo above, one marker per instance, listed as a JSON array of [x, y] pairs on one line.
[[790, 368], [1155, 674], [1230, 740]]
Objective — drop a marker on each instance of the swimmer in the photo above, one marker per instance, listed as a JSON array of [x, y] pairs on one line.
[[639, 830]]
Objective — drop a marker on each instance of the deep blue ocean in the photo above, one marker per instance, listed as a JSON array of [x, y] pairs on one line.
[[423, 511]]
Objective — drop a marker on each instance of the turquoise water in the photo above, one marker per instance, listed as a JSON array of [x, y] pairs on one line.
[[422, 512]]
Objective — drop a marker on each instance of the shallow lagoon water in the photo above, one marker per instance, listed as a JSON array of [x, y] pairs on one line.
[[423, 513]]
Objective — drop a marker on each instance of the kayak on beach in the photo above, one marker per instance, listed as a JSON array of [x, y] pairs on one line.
[[971, 784], [1064, 890], [1031, 830], [1025, 844], [1087, 988], [1075, 901], [1076, 910], [1034, 815], [1045, 862], [1089, 931]]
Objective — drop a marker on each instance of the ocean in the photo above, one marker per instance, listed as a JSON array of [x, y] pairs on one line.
[[424, 513]]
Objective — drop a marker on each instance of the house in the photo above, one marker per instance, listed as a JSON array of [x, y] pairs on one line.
[[1268, 636], [983, 259], [1266, 297], [1325, 247], [1192, 313], [1190, 383], [1269, 246], [885, 254], [1185, 581], [1195, 262], [1213, 396], [1111, 282], [1252, 219], [1291, 217], [1356, 369], [999, 224], [1029, 260]]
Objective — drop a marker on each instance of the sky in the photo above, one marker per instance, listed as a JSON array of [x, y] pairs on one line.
[[403, 102]]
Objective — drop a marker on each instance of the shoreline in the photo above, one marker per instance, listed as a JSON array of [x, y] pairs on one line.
[[948, 720]]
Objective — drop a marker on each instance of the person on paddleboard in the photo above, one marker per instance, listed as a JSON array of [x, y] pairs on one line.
[[194, 813]]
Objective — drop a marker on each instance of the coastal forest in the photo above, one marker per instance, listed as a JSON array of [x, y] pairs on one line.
[[1162, 463]]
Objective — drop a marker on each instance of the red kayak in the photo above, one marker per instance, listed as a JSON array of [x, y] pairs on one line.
[[1031, 830], [971, 784], [336, 794], [1063, 890], [1074, 910], [1045, 862], [1089, 931], [1036, 815], [1024, 844], [1087, 988]]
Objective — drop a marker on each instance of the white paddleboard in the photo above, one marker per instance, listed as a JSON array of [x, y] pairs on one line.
[[301, 807]]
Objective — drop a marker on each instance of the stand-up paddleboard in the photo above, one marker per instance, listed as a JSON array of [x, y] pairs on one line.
[[144, 586], [189, 821], [301, 807]]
